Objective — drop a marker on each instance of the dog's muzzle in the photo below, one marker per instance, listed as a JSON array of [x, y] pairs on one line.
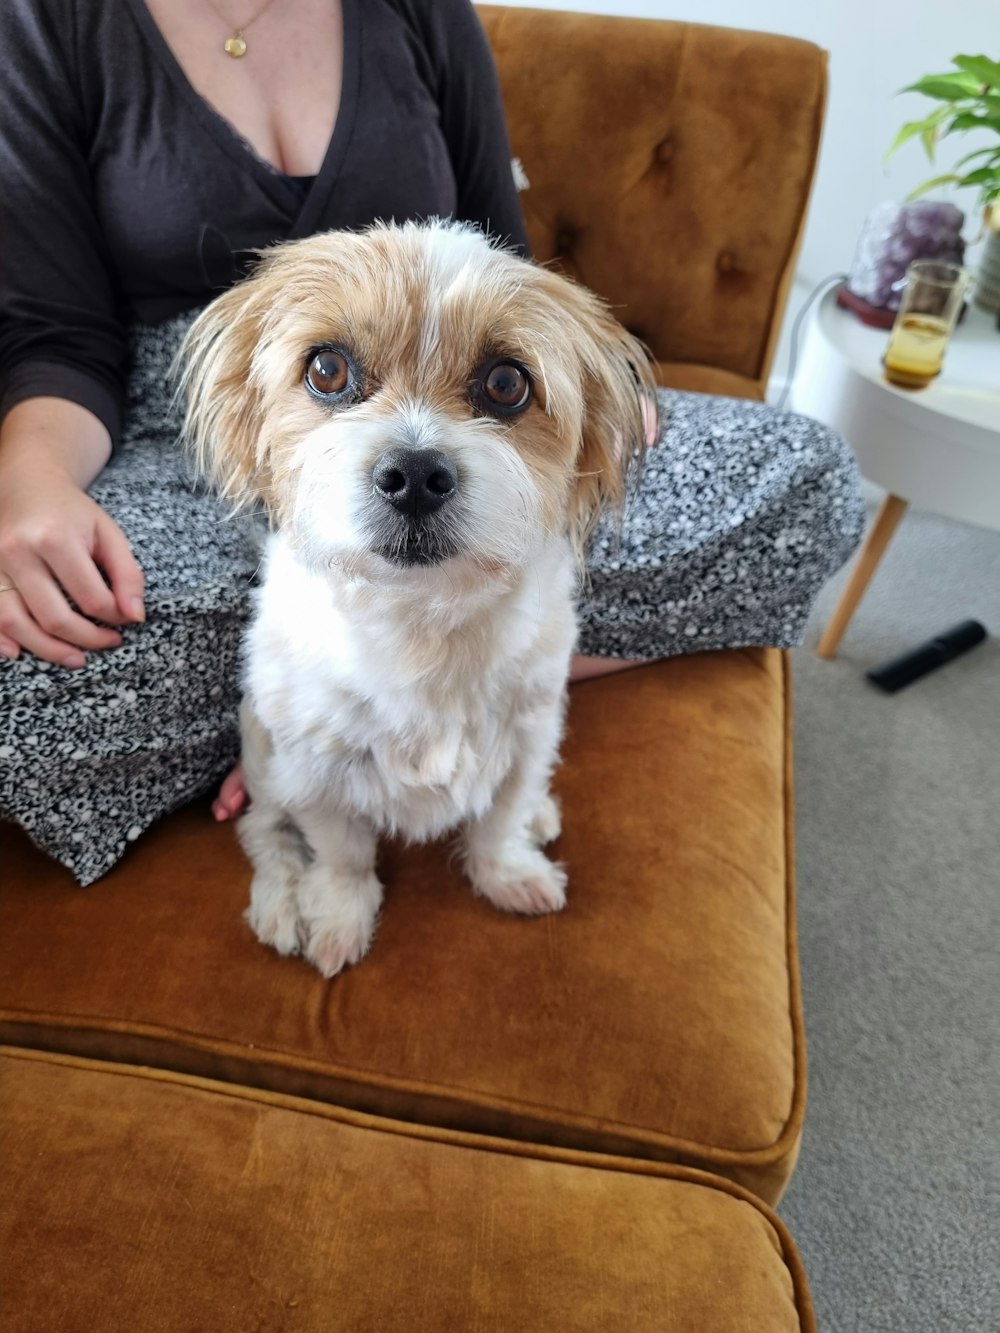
[[414, 484]]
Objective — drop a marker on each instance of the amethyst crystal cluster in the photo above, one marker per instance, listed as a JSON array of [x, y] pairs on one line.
[[892, 237]]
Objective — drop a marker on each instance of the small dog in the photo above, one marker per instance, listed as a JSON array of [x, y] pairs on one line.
[[433, 425]]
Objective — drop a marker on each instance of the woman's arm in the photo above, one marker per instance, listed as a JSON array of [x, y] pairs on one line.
[[61, 334], [54, 433], [61, 353], [472, 117]]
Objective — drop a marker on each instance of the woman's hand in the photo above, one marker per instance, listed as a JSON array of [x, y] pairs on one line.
[[56, 543]]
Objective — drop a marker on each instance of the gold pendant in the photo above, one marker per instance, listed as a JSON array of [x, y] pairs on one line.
[[236, 46]]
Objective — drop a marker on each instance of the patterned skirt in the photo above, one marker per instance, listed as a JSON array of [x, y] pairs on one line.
[[741, 515]]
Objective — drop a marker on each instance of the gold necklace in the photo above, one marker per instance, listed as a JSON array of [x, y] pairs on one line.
[[236, 44]]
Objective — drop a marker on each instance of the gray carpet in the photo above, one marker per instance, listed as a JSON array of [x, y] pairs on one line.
[[895, 1204]]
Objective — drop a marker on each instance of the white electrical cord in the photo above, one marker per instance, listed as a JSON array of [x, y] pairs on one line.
[[793, 355]]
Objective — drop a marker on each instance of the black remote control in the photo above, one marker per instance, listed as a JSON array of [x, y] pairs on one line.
[[893, 675]]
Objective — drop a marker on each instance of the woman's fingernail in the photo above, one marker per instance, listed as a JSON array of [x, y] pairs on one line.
[[137, 609], [9, 653], [74, 660]]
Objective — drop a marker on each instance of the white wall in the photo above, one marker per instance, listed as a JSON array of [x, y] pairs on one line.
[[876, 47]]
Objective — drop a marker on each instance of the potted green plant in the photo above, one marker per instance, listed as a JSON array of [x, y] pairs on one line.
[[968, 99]]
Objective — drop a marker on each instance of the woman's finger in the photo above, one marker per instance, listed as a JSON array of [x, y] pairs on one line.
[[53, 614], [80, 577], [20, 630], [114, 555]]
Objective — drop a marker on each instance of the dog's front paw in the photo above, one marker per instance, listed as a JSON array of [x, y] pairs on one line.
[[274, 920], [526, 881], [331, 948], [338, 918], [279, 858]]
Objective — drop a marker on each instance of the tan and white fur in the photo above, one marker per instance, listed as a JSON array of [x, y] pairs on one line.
[[433, 425]]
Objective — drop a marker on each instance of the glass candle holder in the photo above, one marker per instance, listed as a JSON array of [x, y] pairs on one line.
[[930, 305]]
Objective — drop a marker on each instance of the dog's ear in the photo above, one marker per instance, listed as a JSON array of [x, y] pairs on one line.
[[620, 410], [221, 395], [621, 417]]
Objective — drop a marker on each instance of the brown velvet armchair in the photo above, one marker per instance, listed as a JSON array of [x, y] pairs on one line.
[[492, 1123]]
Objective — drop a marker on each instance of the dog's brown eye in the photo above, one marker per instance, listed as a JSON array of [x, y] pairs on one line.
[[329, 373], [507, 386]]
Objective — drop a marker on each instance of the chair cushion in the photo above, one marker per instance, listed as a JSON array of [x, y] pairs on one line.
[[657, 1016], [142, 1200]]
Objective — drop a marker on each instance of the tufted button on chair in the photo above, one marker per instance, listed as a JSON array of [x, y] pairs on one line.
[[664, 152]]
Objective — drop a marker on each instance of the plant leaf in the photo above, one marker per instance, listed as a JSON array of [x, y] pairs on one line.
[[929, 138], [950, 179], [909, 131], [981, 67], [945, 87], [987, 104], [979, 152], [928, 129], [968, 120], [982, 176]]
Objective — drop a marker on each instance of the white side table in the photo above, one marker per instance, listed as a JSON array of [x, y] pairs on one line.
[[937, 448]]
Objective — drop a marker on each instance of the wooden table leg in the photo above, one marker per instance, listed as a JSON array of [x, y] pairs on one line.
[[887, 519]]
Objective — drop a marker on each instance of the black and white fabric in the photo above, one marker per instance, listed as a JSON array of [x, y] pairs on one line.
[[741, 515]]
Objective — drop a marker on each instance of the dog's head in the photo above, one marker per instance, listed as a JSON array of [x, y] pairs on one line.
[[413, 396]]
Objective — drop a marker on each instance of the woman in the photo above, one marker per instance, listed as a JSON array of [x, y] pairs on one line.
[[146, 150]]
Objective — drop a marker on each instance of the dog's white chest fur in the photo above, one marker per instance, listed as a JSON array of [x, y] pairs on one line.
[[407, 705]]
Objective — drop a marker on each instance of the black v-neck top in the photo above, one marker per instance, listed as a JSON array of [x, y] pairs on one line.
[[124, 196]]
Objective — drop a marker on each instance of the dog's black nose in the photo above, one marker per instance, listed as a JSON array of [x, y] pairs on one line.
[[415, 481]]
